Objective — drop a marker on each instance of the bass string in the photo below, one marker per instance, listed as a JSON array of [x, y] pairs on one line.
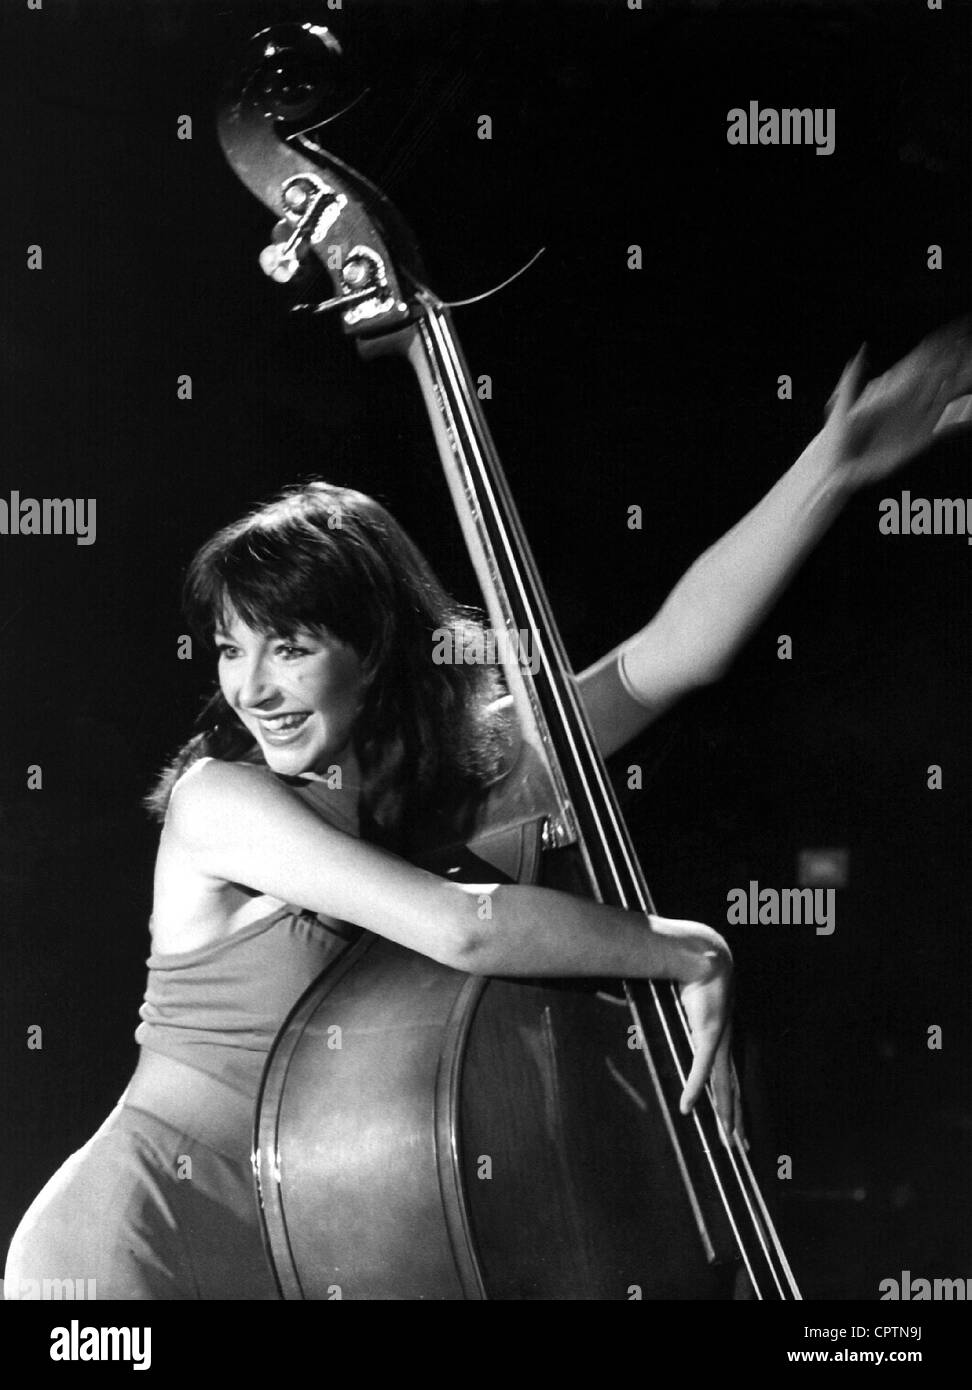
[[463, 426], [712, 1149], [748, 1185], [707, 1148]]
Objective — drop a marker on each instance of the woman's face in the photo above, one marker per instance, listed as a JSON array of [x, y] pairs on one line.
[[299, 696]]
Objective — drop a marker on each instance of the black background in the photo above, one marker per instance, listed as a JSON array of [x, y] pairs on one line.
[[610, 387]]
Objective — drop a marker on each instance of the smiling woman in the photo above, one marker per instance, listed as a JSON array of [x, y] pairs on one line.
[[334, 750], [303, 694], [333, 747], [319, 604]]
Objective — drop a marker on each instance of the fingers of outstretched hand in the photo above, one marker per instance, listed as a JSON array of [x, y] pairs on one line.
[[942, 362], [956, 415], [955, 336], [937, 371], [848, 388]]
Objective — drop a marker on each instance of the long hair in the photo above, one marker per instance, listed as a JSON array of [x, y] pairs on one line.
[[322, 555]]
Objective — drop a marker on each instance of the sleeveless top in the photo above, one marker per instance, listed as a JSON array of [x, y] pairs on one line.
[[219, 1007]]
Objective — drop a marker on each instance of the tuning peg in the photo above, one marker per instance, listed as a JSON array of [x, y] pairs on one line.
[[279, 262], [340, 301], [363, 278], [286, 255]]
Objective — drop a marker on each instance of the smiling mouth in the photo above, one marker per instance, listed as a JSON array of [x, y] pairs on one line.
[[282, 723]]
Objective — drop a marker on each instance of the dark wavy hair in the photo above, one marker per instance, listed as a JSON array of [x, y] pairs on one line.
[[323, 555]]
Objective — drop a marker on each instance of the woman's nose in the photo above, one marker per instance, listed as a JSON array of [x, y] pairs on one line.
[[256, 685]]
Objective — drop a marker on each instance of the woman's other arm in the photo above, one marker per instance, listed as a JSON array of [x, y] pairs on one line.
[[235, 823]]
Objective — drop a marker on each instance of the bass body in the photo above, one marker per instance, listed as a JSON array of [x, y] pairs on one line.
[[425, 1134]]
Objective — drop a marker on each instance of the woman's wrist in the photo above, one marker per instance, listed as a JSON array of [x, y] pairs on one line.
[[696, 953], [824, 461]]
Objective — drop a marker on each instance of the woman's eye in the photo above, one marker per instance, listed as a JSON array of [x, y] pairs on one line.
[[225, 650], [288, 649]]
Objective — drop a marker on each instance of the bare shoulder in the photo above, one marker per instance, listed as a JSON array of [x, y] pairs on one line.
[[213, 794], [210, 780], [195, 902], [239, 824]]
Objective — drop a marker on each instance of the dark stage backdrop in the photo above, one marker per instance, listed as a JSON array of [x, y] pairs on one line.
[[611, 387]]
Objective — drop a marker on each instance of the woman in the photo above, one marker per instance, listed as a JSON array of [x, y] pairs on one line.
[[332, 748]]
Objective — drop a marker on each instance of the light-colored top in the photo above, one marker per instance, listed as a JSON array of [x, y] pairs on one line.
[[218, 1008]]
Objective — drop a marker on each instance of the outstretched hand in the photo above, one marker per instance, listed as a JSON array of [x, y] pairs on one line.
[[876, 426]]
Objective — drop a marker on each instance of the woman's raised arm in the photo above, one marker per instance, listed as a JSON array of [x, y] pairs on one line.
[[872, 429]]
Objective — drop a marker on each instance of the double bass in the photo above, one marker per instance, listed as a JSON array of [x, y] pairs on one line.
[[475, 1138]]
